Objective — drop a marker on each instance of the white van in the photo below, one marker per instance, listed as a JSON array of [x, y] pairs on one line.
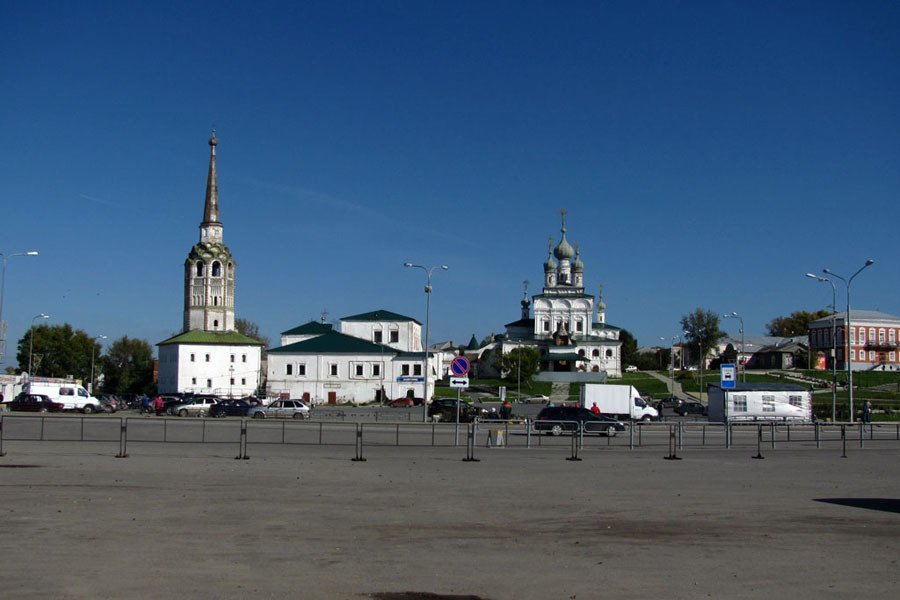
[[70, 394]]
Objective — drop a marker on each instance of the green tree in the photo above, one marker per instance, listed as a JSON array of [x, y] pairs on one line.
[[701, 328], [128, 367], [629, 349], [57, 351], [519, 364], [796, 324]]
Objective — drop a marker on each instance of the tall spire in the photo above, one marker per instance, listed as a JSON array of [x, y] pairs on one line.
[[211, 227]]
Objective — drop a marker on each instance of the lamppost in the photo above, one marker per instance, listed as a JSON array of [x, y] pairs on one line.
[[833, 343], [847, 282], [428, 272], [93, 352], [6, 258], [700, 333], [734, 315], [31, 342]]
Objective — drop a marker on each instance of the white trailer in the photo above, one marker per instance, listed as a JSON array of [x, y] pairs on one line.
[[619, 401], [760, 402], [66, 391]]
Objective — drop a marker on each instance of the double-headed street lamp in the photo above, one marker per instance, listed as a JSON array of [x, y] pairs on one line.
[[827, 271], [93, 352], [6, 258], [428, 272], [734, 315], [31, 343], [833, 343]]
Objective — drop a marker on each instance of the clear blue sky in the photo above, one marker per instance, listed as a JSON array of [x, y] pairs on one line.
[[708, 153]]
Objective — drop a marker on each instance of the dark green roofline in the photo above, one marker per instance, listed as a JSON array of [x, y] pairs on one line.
[[379, 315], [224, 338]]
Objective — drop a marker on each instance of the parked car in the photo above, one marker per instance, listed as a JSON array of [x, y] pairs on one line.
[[556, 419], [631, 369], [35, 403], [230, 408], [691, 407], [284, 409], [111, 403], [401, 403], [444, 409], [194, 407], [670, 402]]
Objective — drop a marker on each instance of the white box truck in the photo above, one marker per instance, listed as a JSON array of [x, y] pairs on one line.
[[619, 401], [760, 402], [66, 391]]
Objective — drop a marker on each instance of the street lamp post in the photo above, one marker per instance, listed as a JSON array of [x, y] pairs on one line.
[[6, 258], [31, 342], [734, 315], [428, 272], [833, 343], [93, 352], [847, 282]]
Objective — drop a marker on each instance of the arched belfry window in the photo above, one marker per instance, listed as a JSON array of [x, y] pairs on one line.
[[199, 269], [217, 269]]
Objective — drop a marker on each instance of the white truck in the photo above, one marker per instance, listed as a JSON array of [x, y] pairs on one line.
[[760, 402], [66, 391], [619, 401]]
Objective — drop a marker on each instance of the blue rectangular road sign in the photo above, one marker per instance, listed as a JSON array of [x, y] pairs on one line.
[[728, 376]]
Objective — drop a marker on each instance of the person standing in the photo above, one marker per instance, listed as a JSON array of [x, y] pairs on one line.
[[595, 409], [158, 405], [867, 412]]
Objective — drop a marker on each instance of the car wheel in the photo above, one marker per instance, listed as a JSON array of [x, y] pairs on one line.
[[611, 431], [182, 413], [436, 417], [298, 415], [259, 415], [556, 429], [645, 418], [201, 414], [88, 409], [43, 409]]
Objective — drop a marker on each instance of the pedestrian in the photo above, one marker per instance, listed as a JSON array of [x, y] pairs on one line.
[[867, 412], [595, 409], [158, 405], [506, 410], [145, 404]]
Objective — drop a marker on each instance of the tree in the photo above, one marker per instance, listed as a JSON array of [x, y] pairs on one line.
[[128, 367], [57, 351], [701, 329], [796, 324], [629, 348], [251, 330], [519, 364]]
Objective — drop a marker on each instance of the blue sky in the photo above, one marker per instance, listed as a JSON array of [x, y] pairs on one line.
[[708, 154]]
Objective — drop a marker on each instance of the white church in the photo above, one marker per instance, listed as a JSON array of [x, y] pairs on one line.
[[209, 356], [568, 328]]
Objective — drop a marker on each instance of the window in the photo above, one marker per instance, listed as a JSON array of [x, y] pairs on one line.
[[871, 334], [892, 356], [207, 358], [853, 335], [359, 370], [395, 337], [192, 358], [232, 358], [216, 324], [232, 381], [579, 326], [376, 370], [333, 370], [199, 269], [404, 370], [217, 269], [243, 358], [853, 354], [871, 355], [289, 369], [881, 336], [768, 404], [796, 401], [301, 370], [417, 370], [892, 335], [243, 381], [193, 381], [581, 353], [378, 336], [609, 354], [595, 353], [739, 403], [209, 383]]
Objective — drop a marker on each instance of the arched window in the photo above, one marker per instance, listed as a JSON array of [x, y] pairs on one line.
[[199, 269], [216, 324], [609, 354], [581, 353], [595, 353], [217, 269]]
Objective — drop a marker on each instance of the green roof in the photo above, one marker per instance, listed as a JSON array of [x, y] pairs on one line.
[[378, 315], [333, 342], [199, 336], [311, 328]]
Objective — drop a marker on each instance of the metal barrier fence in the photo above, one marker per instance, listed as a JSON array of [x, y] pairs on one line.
[[490, 434]]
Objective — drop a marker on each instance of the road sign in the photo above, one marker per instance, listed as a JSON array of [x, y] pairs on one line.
[[729, 376], [406, 379], [459, 366], [459, 382]]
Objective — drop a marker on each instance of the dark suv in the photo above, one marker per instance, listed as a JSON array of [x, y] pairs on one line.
[[556, 419], [444, 409]]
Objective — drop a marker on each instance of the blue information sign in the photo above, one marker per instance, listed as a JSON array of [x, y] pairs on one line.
[[729, 376]]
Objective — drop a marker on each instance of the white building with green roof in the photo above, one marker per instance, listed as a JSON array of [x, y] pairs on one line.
[[376, 355], [209, 356]]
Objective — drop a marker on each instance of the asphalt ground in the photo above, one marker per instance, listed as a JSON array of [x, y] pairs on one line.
[[190, 521]]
